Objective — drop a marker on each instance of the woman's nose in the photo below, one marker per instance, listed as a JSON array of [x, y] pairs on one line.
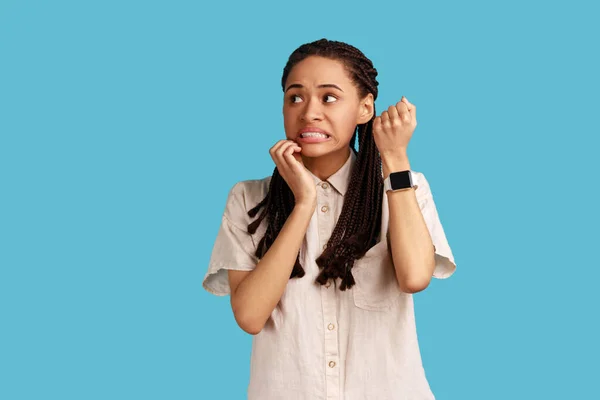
[[312, 110]]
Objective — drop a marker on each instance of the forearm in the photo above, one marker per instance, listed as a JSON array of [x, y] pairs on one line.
[[410, 241], [257, 295]]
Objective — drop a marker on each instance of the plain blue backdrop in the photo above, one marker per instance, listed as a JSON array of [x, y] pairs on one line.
[[125, 123]]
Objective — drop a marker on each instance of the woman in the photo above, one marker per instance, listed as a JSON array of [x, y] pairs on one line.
[[323, 277]]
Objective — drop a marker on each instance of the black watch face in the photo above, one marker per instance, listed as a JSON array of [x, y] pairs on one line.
[[400, 180]]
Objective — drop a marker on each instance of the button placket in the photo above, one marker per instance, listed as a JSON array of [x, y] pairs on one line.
[[325, 220], [332, 369], [324, 217]]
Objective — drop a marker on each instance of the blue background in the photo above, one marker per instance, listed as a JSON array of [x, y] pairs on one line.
[[125, 123]]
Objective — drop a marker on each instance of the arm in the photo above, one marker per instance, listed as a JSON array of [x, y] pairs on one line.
[[254, 294], [411, 244]]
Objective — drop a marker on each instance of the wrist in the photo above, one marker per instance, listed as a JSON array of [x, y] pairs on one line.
[[394, 163], [306, 206]]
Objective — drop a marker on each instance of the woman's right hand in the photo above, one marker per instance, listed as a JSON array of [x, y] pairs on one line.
[[287, 158]]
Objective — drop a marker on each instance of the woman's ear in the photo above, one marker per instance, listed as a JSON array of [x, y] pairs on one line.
[[366, 108]]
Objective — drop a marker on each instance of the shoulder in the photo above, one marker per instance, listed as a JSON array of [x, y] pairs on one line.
[[244, 196], [249, 193]]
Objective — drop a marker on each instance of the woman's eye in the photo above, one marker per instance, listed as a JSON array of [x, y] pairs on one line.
[[328, 98]]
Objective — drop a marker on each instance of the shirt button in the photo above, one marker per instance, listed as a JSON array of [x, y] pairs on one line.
[[331, 364], [331, 327], [324, 209], [325, 185]]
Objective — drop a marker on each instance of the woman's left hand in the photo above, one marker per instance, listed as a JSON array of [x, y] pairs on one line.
[[393, 129]]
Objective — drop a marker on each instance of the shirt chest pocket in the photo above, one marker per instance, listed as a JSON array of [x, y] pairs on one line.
[[376, 287]]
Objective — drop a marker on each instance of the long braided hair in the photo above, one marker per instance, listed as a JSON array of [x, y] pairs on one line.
[[359, 223]]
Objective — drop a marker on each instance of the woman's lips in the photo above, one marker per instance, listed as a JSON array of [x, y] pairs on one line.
[[313, 139]]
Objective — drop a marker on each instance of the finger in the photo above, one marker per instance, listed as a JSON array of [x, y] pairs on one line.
[[377, 124], [289, 150], [393, 113], [294, 163], [401, 107], [403, 111], [292, 149], [411, 107], [298, 154], [278, 157], [276, 146], [278, 149], [279, 152], [385, 117], [293, 159]]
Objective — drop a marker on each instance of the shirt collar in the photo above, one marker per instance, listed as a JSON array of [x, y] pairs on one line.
[[341, 178]]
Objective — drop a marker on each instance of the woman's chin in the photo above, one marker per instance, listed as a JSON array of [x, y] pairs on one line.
[[314, 151]]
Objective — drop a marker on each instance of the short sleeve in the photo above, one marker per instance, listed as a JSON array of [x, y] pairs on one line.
[[444, 259], [233, 248]]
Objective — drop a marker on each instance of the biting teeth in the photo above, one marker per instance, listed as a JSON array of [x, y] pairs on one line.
[[315, 134]]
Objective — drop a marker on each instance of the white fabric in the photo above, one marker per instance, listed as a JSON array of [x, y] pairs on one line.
[[320, 342]]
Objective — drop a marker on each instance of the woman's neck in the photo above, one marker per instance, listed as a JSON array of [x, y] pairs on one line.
[[325, 166]]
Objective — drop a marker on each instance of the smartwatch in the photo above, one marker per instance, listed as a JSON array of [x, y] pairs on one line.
[[401, 180]]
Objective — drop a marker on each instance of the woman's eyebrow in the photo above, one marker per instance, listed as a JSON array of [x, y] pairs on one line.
[[325, 85]]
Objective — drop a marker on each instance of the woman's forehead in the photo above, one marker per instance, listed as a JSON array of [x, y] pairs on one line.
[[316, 71]]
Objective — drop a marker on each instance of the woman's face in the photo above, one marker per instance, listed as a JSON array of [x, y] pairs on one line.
[[320, 97]]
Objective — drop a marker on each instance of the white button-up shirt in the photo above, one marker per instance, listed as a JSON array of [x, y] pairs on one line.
[[320, 342]]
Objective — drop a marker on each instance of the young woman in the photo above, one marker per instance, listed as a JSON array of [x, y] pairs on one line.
[[321, 259]]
